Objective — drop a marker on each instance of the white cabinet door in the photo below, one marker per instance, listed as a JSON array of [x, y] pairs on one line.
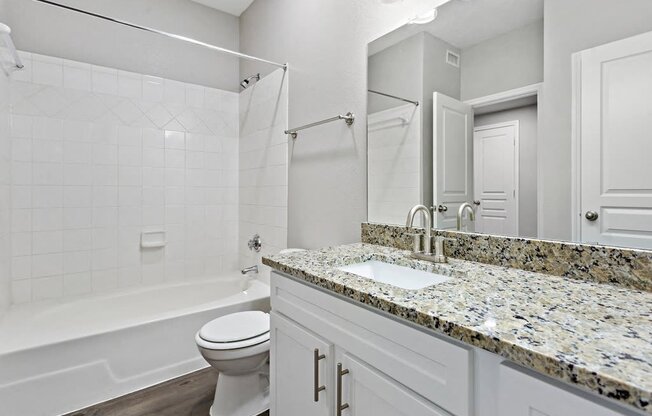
[[524, 395], [452, 158], [616, 143], [367, 392], [294, 377], [495, 169]]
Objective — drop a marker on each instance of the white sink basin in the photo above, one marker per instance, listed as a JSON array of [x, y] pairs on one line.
[[391, 274]]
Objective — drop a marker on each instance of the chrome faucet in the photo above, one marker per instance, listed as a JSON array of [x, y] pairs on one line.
[[248, 270], [427, 245], [460, 214]]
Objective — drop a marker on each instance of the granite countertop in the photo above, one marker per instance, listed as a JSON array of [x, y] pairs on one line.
[[594, 335]]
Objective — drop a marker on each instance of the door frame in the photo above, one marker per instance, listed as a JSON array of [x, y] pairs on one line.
[[517, 161], [532, 90], [576, 146]]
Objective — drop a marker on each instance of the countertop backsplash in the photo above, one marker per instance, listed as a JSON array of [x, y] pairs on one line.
[[623, 267]]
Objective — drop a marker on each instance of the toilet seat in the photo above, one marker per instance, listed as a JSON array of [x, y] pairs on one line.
[[234, 331]]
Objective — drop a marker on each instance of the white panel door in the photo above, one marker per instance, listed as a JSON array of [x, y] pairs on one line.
[[495, 172], [452, 158], [367, 392], [293, 381], [524, 395], [616, 143]]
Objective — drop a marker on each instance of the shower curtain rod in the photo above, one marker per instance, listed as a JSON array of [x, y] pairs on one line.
[[416, 103], [169, 35]]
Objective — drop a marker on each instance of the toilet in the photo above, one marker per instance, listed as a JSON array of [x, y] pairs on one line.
[[237, 346]]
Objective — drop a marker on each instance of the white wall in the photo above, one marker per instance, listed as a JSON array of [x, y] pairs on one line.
[[47, 30], [100, 155], [527, 117], [572, 26], [263, 153], [397, 70], [325, 42], [508, 61]]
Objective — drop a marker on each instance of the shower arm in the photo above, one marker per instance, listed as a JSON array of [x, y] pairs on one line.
[[167, 34]]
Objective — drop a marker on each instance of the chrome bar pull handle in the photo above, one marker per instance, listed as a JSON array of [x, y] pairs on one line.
[[340, 406], [317, 388]]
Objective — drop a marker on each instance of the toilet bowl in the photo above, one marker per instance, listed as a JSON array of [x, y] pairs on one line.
[[237, 346]]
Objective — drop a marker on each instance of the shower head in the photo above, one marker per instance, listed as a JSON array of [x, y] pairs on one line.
[[246, 82]]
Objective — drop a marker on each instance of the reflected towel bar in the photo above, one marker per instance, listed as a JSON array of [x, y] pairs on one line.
[[416, 103], [349, 118], [384, 124]]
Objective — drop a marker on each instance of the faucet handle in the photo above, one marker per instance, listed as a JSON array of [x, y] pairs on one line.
[[416, 242]]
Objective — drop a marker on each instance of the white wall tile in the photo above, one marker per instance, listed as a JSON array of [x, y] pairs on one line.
[[21, 197], [152, 89], [76, 283], [77, 76], [21, 267], [21, 291], [47, 219], [77, 240], [21, 126], [47, 288], [47, 242], [47, 71], [102, 280], [76, 262], [104, 154], [105, 80], [21, 244], [47, 264], [130, 84]]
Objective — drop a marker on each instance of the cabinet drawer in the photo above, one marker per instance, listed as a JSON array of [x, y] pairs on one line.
[[522, 394], [435, 368], [368, 392]]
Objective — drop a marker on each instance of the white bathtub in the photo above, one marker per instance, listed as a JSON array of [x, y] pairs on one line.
[[57, 357]]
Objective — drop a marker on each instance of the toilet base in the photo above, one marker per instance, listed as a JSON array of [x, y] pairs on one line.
[[242, 395]]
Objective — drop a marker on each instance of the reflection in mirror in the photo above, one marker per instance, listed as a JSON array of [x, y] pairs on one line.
[[543, 140]]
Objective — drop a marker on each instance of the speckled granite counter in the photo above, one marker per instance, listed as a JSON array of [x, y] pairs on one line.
[[593, 335]]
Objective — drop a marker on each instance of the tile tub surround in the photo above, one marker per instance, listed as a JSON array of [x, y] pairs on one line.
[[584, 333], [99, 155], [624, 267], [263, 168]]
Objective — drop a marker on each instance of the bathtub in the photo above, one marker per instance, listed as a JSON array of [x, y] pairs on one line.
[[60, 356]]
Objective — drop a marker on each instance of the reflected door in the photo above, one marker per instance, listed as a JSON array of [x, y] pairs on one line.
[[452, 159], [495, 170], [616, 143]]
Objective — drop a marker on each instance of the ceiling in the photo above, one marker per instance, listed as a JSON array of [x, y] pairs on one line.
[[234, 7], [465, 23]]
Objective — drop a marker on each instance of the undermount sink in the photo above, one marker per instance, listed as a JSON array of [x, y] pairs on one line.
[[392, 274]]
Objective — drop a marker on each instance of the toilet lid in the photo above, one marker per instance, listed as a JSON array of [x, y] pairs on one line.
[[239, 326]]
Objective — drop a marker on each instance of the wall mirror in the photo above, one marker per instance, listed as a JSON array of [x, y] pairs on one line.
[[536, 113]]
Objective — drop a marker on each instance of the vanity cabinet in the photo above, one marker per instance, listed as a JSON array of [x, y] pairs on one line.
[[295, 386], [524, 394], [366, 391], [392, 368], [331, 357]]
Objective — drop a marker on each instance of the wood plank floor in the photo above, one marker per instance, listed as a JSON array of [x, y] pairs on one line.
[[189, 395]]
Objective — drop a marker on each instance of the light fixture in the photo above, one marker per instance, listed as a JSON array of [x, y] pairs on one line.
[[422, 19]]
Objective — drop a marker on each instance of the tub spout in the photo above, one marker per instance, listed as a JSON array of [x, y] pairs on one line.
[[251, 269]]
